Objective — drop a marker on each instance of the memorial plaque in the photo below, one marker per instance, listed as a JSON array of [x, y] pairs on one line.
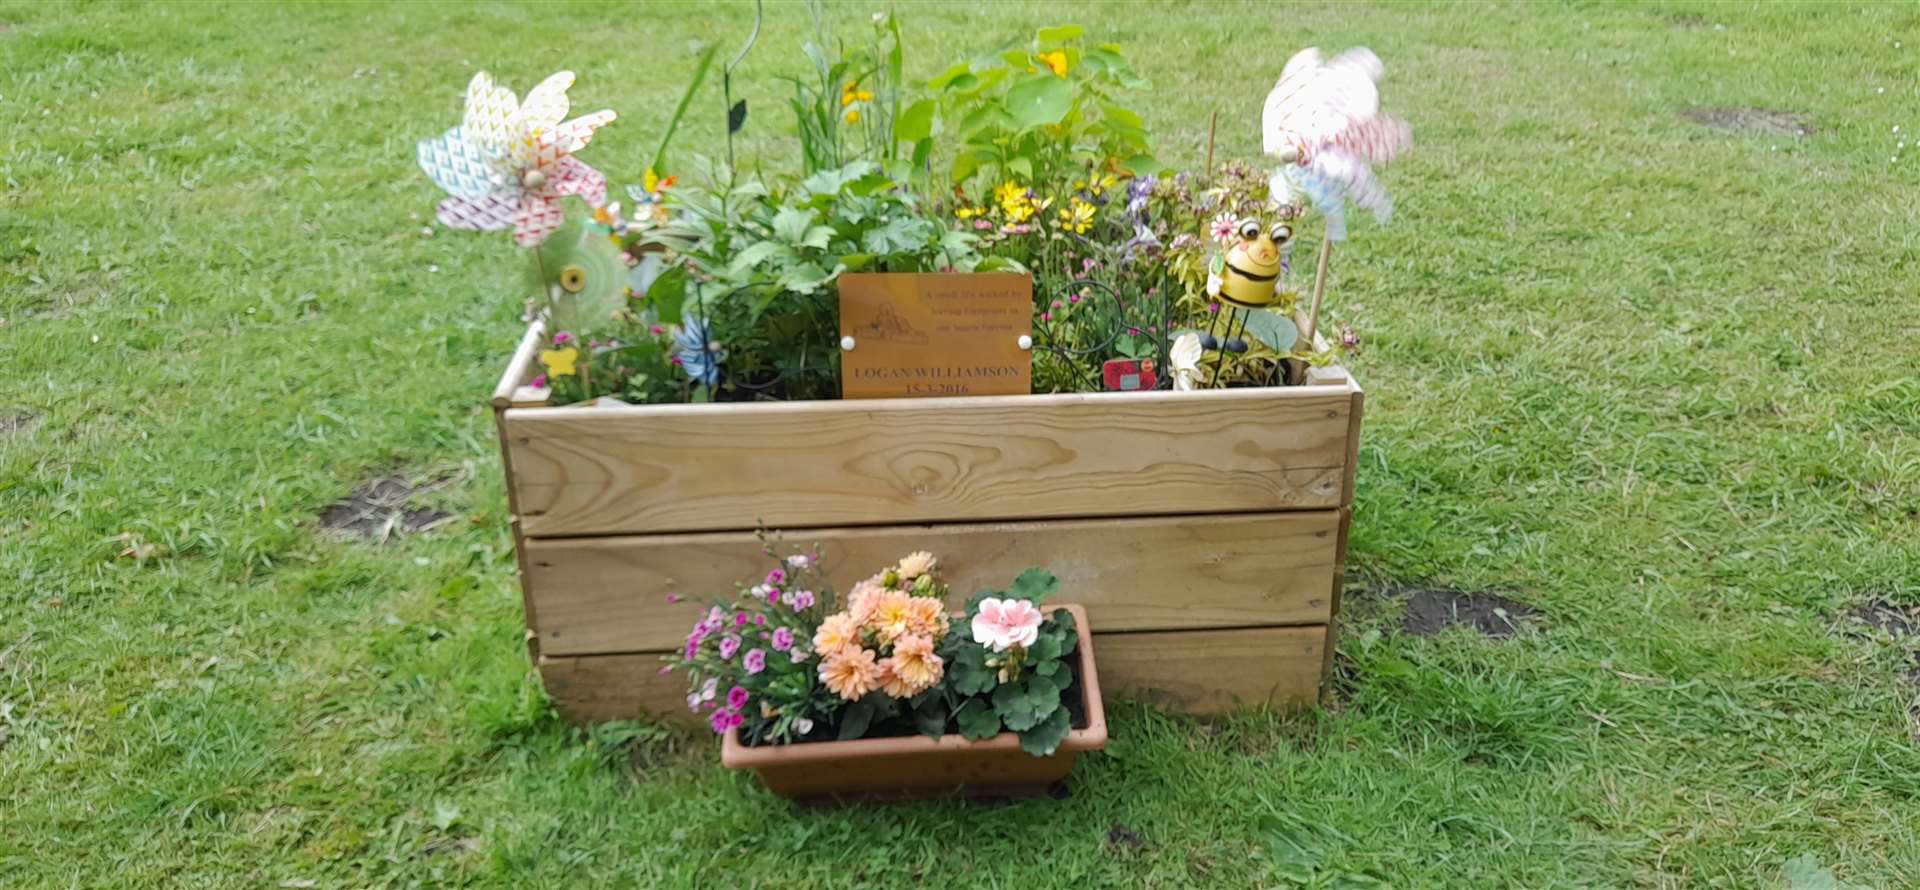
[[935, 334]]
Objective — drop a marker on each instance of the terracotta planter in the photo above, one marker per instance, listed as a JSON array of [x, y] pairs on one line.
[[917, 766]]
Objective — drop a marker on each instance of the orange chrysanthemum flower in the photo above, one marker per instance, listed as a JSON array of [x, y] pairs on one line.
[[850, 673], [837, 633]]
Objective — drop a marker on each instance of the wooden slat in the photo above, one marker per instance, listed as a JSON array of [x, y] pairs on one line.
[[599, 595], [1213, 671], [662, 468], [519, 367], [1193, 672]]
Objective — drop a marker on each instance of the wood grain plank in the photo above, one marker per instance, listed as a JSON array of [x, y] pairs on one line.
[[1213, 671], [519, 367], [1190, 672], [664, 468], [599, 595]]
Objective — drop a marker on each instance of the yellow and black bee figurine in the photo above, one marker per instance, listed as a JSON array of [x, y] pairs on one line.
[[1246, 277]]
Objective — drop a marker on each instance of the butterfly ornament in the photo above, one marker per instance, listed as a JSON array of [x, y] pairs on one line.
[[1323, 123], [509, 162]]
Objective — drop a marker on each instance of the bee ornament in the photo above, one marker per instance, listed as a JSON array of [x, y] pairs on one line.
[[1246, 276]]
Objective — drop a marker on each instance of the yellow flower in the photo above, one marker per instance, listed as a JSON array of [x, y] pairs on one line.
[[1013, 200], [1055, 61], [963, 212], [846, 99], [853, 115], [650, 182], [1077, 217], [559, 362]]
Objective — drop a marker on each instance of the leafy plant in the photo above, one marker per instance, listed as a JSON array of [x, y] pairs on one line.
[[1040, 114], [848, 108], [757, 266], [991, 686]]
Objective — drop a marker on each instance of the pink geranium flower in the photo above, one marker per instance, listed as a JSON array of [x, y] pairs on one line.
[[1003, 624]]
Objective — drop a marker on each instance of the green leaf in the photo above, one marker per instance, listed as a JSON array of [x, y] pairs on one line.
[[968, 672], [977, 720], [1023, 704], [668, 294], [1021, 167], [1045, 650], [855, 720], [1034, 584], [953, 73], [791, 223], [915, 123], [1039, 100], [829, 182], [1045, 737], [1276, 330], [1121, 116], [1059, 34], [1044, 666], [930, 716], [806, 278], [680, 110], [753, 255], [963, 166], [854, 262]]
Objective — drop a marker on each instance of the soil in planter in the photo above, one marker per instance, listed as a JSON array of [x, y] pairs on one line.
[[902, 726]]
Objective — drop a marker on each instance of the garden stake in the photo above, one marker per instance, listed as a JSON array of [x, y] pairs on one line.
[[1319, 285]]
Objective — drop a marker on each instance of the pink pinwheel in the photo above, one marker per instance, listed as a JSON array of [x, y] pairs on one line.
[[1323, 122], [509, 162]]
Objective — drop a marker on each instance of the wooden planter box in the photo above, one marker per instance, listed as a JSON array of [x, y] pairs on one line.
[[917, 766], [1200, 530]]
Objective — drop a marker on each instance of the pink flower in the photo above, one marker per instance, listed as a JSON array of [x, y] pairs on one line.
[[756, 661], [1002, 624], [666, 669], [782, 639], [721, 721], [656, 329], [1046, 316], [1213, 308], [799, 561], [539, 382], [773, 596], [800, 600], [562, 338], [673, 359], [693, 648], [760, 620], [729, 644], [777, 577], [1073, 298], [693, 702], [740, 619], [799, 654], [736, 698], [674, 597]]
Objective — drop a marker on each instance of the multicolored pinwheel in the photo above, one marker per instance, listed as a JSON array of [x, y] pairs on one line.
[[509, 162], [1323, 122]]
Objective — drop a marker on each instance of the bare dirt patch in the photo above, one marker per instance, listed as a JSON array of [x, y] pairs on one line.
[[1759, 121], [1431, 610], [1898, 622], [379, 509], [18, 423]]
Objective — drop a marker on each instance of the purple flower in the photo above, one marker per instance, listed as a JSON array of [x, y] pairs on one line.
[[756, 661], [782, 639], [800, 600], [736, 698], [759, 621], [777, 576], [729, 644], [562, 338], [740, 619], [1213, 308], [1073, 298], [693, 648], [539, 382], [721, 721], [773, 596]]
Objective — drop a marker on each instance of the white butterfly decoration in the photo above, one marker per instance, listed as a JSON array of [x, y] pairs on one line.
[[1323, 122], [1184, 356], [509, 162]]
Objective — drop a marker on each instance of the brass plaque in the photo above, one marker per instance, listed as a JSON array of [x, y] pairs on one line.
[[935, 334]]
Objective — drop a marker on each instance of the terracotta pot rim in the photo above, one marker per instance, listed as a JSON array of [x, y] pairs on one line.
[[736, 755]]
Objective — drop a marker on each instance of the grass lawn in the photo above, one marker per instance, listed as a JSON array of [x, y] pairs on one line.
[[1657, 380]]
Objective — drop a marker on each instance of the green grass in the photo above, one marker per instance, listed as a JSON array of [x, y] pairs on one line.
[[1657, 380]]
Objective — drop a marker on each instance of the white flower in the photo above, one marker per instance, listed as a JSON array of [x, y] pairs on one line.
[[802, 725], [1004, 624], [799, 561]]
